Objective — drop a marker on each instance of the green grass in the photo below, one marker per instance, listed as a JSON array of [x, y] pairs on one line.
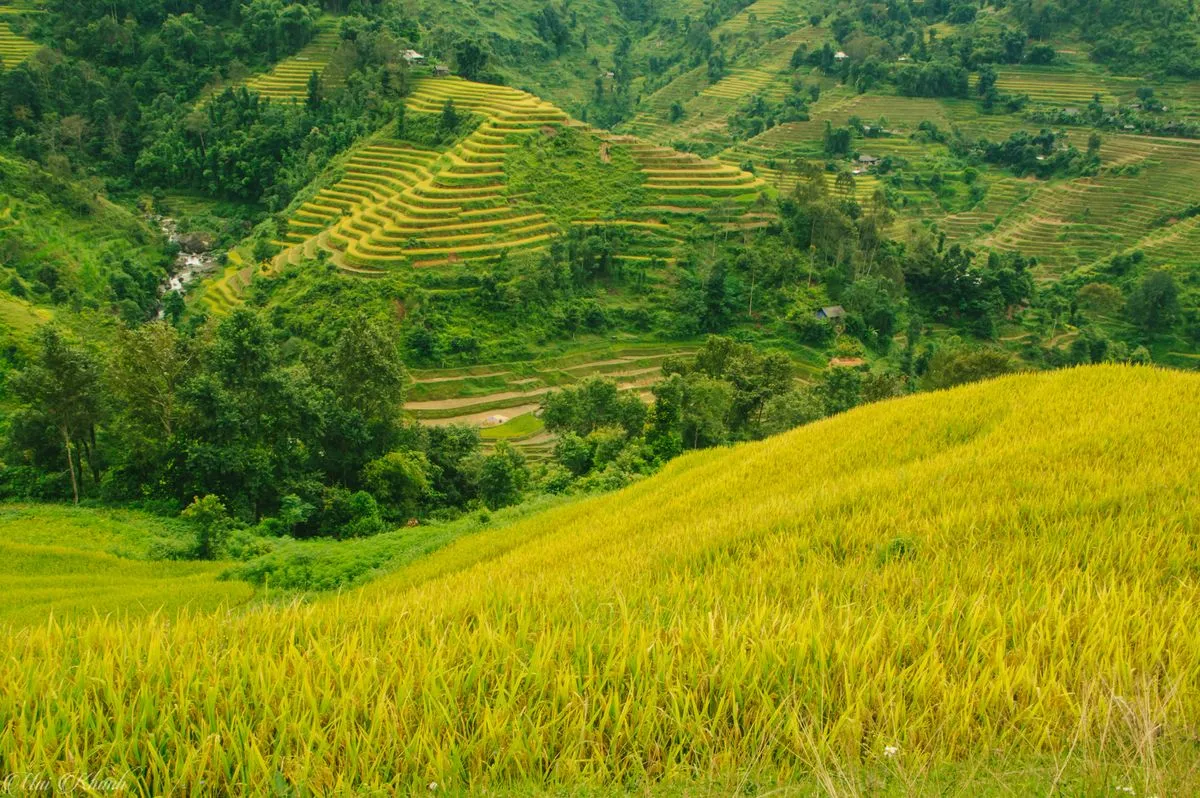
[[564, 172], [76, 562], [315, 565], [522, 426]]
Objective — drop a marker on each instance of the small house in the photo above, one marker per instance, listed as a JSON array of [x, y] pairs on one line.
[[840, 56], [413, 57], [833, 312], [868, 160], [441, 71]]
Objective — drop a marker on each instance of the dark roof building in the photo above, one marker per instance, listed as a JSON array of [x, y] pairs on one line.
[[832, 312]]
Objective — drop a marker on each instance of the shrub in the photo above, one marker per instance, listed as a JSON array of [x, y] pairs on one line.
[[212, 524]]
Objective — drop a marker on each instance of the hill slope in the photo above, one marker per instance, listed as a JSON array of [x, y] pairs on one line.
[[492, 193], [995, 585]]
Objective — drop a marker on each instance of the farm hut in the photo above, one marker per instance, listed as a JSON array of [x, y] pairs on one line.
[[441, 71], [840, 56], [832, 312], [868, 160], [494, 421], [413, 57]]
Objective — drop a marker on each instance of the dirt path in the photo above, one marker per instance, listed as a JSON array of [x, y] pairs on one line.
[[480, 417], [458, 377], [470, 401]]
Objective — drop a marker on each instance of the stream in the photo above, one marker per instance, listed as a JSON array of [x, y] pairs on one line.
[[196, 258]]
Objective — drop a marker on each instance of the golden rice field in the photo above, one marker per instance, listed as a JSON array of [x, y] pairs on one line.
[[14, 48], [288, 80], [987, 590], [396, 204], [65, 562]]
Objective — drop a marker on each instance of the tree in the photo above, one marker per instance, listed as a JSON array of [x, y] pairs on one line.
[[595, 402], [840, 390], [955, 365], [147, 367], [792, 409], [251, 426], [449, 120], [665, 435], [314, 94], [1100, 298], [502, 477], [349, 514], [705, 408], [400, 481], [1154, 304], [470, 58], [63, 385], [212, 524]]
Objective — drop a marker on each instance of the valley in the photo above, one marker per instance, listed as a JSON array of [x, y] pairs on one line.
[[599, 397]]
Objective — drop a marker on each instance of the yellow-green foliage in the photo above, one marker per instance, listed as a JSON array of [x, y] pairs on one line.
[[1002, 580], [69, 562], [14, 48], [497, 189]]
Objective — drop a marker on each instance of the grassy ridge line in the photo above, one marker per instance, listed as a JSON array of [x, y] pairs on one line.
[[910, 574]]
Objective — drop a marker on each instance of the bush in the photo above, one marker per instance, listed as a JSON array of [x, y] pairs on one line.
[[212, 524], [346, 514]]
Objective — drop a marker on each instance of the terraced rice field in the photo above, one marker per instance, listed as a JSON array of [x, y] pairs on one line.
[[14, 48], [1003, 195], [288, 80], [1068, 224], [225, 292], [708, 105], [1062, 87], [503, 398], [763, 14], [399, 205], [685, 183]]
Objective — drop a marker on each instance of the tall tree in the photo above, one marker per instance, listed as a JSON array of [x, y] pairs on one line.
[[63, 384]]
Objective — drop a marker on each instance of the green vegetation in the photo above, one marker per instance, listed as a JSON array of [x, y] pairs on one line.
[[937, 574], [61, 246], [324, 327], [574, 175], [77, 562]]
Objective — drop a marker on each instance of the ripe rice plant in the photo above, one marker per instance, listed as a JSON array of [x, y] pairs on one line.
[[398, 204], [991, 586]]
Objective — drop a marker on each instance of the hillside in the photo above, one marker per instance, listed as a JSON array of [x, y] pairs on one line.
[[62, 245], [1138, 200], [985, 589], [493, 192]]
